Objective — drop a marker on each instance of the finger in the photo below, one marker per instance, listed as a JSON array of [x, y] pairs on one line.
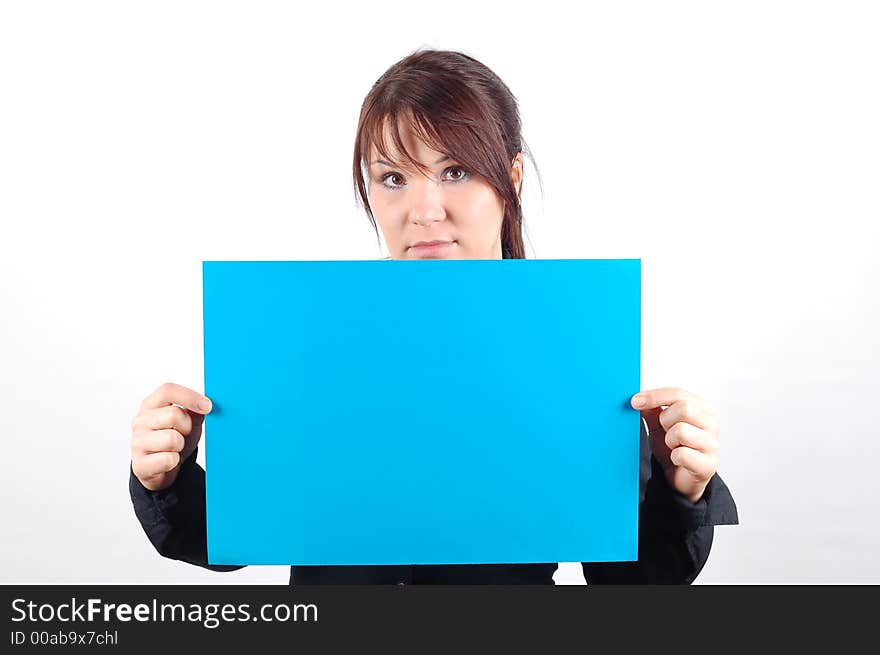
[[158, 441], [688, 411], [154, 464], [169, 416], [664, 396], [685, 434], [174, 394], [700, 465]]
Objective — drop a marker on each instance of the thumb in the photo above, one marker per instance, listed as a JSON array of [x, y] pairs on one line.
[[652, 418], [657, 437], [199, 409], [197, 419]]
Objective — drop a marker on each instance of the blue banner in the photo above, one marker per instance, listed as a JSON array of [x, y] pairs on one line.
[[422, 412]]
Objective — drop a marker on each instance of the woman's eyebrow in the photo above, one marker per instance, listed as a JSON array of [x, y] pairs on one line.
[[382, 161]]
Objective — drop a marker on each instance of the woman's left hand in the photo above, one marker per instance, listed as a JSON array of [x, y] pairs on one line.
[[683, 437]]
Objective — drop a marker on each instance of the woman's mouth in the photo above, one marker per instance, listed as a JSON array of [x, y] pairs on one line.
[[427, 249]]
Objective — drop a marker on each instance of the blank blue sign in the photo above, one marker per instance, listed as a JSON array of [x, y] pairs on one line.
[[422, 412]]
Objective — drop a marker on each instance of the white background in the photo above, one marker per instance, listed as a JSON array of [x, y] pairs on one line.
[[732, 146]]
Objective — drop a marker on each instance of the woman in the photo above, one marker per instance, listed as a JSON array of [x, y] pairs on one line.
[[438, 163]]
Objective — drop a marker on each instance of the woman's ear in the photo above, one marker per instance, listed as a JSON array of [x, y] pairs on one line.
[[516, 172]]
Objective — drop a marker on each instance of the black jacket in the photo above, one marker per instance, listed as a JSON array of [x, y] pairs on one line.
[[675, 537]]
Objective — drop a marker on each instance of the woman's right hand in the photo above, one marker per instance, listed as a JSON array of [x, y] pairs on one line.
[[165, 432]]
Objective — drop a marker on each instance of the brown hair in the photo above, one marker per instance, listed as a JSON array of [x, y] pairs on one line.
[[457, 106]]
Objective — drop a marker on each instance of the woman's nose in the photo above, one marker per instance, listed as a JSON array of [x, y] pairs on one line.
[[427, 204]]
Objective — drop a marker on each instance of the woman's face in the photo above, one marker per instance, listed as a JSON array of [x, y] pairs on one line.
[[450, 214]]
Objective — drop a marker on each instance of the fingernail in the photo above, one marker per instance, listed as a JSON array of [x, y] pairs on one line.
[[205, 405], [638, 401]]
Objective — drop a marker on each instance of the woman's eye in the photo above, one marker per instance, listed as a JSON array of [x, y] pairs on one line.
[[455, 173], [393, 180]]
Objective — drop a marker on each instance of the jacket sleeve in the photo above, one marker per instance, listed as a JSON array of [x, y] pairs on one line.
[[675, 535], [174, 519]]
